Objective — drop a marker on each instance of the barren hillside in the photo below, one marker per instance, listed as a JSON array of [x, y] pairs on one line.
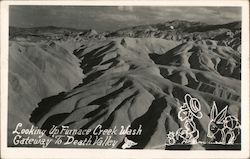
[[130, 77]]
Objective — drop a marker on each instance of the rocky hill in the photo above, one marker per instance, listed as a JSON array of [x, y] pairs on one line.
[[185, 31], [130, 77]]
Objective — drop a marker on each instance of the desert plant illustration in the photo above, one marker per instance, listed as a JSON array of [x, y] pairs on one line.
[[223, 128]]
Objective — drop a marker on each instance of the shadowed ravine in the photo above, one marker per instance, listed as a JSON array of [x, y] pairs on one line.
[[133, 81]]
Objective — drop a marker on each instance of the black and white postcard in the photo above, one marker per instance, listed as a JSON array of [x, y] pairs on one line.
[[134, 79]]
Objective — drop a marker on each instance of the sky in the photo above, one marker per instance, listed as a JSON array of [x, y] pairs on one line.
[[107, 18]]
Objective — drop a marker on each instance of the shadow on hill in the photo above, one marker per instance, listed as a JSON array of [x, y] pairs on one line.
[[148, 121], [45, 105]]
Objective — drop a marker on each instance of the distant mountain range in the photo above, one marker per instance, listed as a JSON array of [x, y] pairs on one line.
[[179, 30]]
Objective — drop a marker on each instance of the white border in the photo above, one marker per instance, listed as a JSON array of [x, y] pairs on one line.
[[100, 153]]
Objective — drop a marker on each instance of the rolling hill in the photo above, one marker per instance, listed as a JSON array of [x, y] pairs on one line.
[[130, 77]]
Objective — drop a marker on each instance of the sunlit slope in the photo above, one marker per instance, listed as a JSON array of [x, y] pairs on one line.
[[140, 81], [36, 71]]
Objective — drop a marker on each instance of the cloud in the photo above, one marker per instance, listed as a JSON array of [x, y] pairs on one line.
[[122, 18], [115, 17], [126, 8], [119, 17], [204, 14]]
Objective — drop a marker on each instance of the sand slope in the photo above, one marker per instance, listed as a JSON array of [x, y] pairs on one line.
[[133, 76], [139, 81], [37, 71]]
